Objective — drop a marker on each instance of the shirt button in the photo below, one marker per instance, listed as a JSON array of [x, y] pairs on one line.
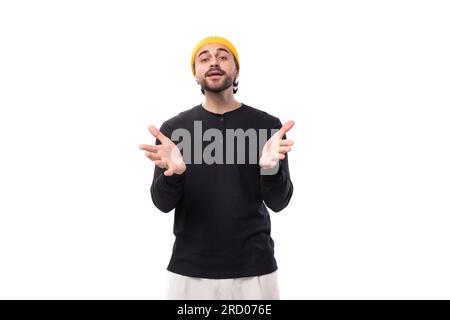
[[220, 118]]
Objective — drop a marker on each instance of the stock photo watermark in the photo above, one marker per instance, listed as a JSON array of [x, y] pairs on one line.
[[218, 152]]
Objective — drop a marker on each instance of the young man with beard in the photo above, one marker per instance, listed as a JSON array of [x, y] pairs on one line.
[[223, 248]]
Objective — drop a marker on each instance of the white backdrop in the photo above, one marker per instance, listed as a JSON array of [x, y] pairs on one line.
[[367, 83]]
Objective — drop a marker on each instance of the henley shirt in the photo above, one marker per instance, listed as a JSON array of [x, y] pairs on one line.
[[221, 224]]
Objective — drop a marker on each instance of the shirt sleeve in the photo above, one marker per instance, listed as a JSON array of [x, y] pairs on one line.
[[277, 189], [166, 191]]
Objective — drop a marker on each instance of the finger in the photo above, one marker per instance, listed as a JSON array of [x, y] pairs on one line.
[[281, 156], [284, 149], [149, 147], [265, 164], [153, 156], [286, 127], [169, 171], [286, 142], [156, 133], [269, 164]]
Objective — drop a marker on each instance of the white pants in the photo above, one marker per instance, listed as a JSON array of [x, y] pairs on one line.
[[264, 287]]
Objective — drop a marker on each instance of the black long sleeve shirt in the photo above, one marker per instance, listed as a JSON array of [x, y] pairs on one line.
[[222, 225]]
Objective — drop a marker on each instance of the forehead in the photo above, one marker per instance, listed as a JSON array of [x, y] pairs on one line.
[[212, 48]]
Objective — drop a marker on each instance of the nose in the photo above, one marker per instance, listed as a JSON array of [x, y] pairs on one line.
[[214, 62]]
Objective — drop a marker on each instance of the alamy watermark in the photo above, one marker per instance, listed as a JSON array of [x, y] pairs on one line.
[[213, 153]]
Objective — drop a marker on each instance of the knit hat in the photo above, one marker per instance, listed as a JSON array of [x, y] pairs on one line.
[[214, 39]]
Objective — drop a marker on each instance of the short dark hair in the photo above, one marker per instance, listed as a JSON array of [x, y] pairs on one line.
[[235, 82]]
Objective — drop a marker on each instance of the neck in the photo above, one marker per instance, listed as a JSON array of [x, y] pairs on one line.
[[220, 102]]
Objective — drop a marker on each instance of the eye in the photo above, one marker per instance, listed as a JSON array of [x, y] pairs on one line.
[[203, 59], [223, 58]]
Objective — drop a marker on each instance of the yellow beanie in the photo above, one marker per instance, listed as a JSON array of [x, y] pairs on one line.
[[213, 39]]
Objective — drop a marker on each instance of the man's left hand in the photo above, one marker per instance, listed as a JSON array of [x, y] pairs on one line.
[[276, 147]]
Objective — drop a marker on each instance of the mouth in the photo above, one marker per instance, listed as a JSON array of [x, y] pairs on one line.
[[213, 74]]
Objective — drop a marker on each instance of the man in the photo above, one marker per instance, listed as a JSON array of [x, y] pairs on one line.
[[223, 248]]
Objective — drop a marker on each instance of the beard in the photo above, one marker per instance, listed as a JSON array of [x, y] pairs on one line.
[[226, 81]]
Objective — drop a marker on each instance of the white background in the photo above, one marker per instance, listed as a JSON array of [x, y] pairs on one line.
[[367, 83]]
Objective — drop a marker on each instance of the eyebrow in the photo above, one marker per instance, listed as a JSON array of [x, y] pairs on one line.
[[205, 51]]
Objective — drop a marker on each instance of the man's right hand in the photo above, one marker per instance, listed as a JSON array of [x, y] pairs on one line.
[[165, 155]]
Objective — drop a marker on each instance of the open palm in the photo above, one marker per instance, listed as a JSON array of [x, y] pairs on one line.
[[165, 155]]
